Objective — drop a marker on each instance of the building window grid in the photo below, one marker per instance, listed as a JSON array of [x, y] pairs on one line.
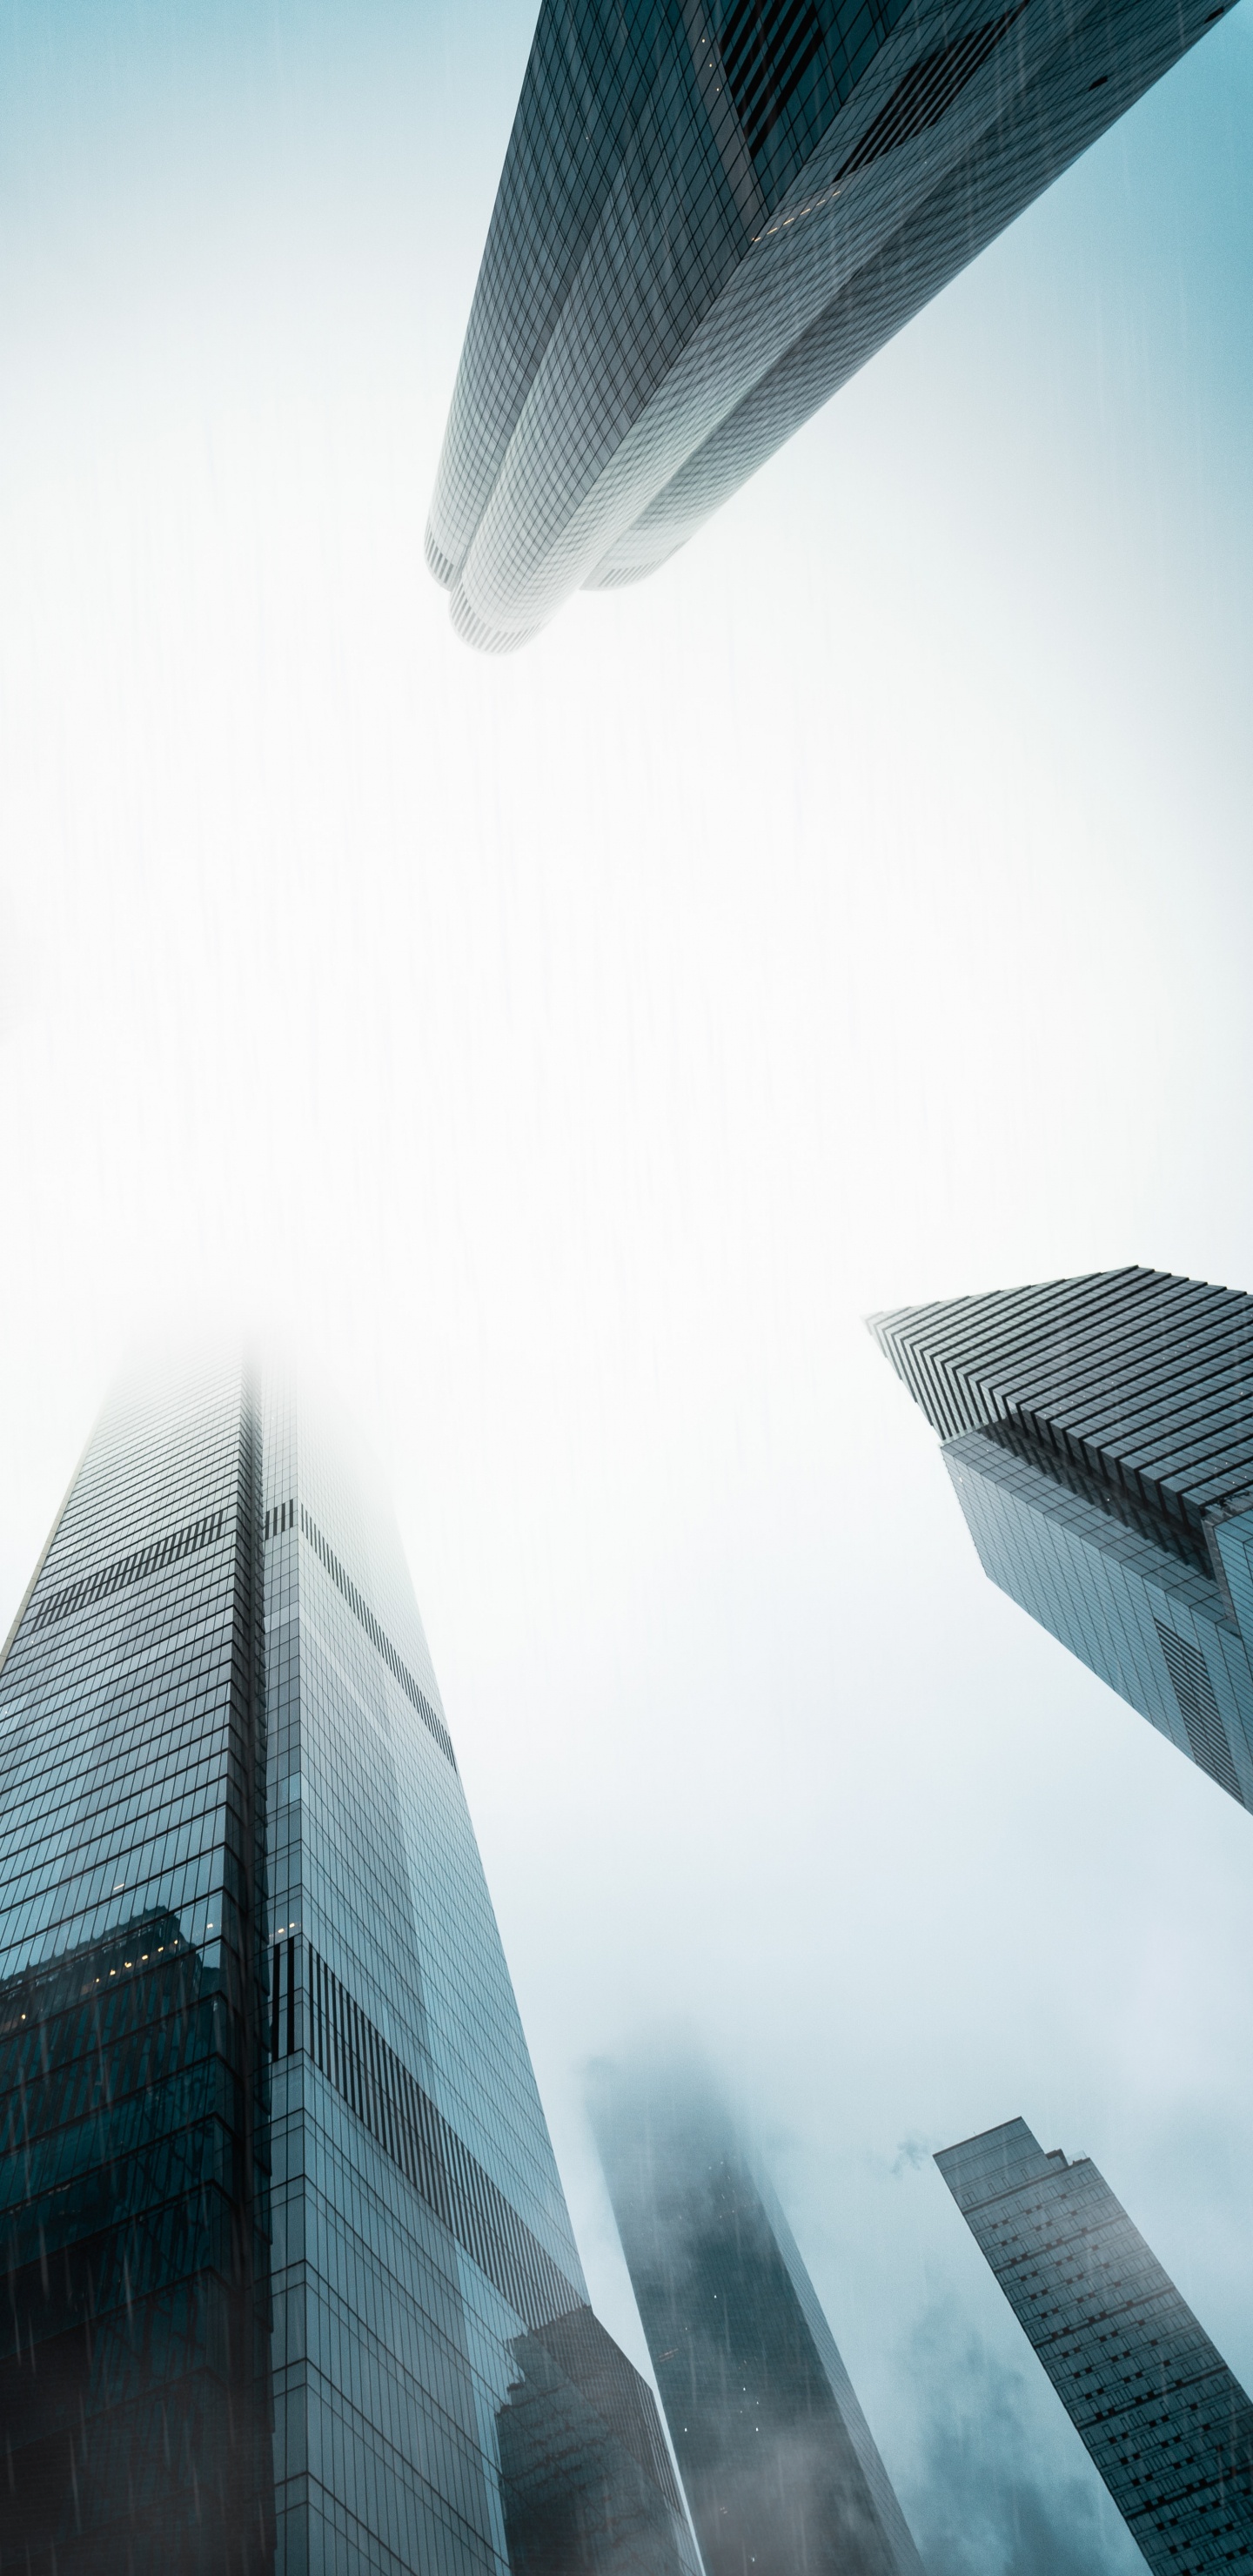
[[377, 1636], [313, 2013]]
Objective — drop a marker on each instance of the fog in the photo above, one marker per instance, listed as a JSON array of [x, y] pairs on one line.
[[566, 1053]]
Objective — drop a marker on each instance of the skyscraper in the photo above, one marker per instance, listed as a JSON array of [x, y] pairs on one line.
[[777, 2459], [712, 212], [292, 2278], [1167, 2425], [1099, 1434], [133, 2157]]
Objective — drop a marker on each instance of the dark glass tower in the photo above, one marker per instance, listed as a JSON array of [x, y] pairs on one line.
[[134, 2336], [776, 2456], [1167, 2425], [712, 212], [1099, 1434], [221, 1651]]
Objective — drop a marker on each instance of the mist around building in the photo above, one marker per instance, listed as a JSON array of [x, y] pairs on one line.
[[724, 2039]]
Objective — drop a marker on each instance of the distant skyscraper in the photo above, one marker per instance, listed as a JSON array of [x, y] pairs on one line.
[[1168, 2427], [712, 213], [776, 2456], [220, 1649], [1099, 1433]]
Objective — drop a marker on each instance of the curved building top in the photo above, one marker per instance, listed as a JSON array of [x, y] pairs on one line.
[[712, 212]]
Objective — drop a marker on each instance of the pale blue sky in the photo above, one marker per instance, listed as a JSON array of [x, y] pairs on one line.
[[569, 1051]]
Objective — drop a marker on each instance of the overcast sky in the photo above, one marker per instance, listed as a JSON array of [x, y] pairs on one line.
[[569, 1051]]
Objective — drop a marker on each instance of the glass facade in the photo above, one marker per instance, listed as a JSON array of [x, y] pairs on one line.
[[1099, 1435], [293, 2279], [588, 2481], [134, 2345], [776, 2456], [712, 212], [1168, 2427]]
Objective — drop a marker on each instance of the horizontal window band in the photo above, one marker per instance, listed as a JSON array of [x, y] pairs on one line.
[[750, 39], [125, 1570], [1202, 1718], [766, 52], [926, 93], [312, 2012]]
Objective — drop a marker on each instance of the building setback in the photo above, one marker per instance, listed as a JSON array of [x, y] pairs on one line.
[[293, 2283], [1099, 1435], [776, 2457], [1167, 2425], [712, 212]]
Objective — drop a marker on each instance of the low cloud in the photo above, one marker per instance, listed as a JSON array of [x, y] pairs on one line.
[[911, 2153], [989, 2501]]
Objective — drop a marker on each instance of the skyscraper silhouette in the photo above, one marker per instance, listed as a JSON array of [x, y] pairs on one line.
[[777, 2459], [712, 212], [291, 2276], [1099, 1435], [1167, 2425]]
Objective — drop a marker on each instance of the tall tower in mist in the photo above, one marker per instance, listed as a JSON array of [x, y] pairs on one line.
[[292, 2279], [134, 2392], [712, 212], [776, 2456], [1099, 1434], [1167, 2425]]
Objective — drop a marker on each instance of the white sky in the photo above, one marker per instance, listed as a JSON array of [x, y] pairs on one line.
[[569, 1051]]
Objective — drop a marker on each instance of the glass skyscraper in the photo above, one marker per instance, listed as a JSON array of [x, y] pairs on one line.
[[292, 2279], [712, 212], [1167, 2425], [134, 2361], [777, 2459], [1099, 1434]]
